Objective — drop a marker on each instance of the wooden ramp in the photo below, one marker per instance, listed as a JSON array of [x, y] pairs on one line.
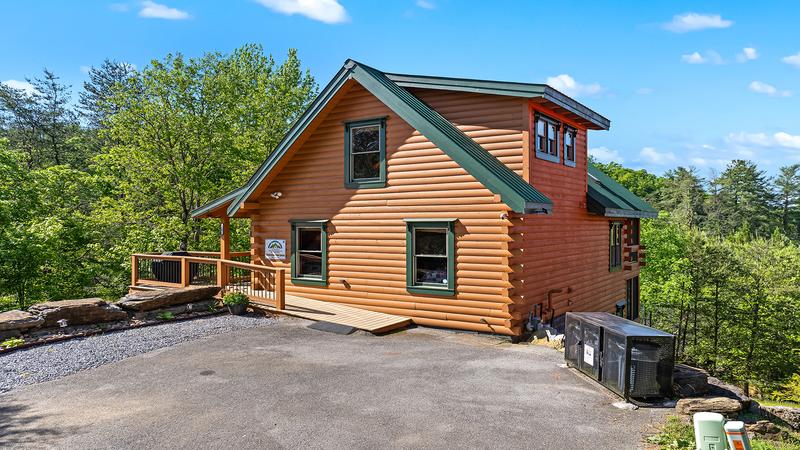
[[374, 322]]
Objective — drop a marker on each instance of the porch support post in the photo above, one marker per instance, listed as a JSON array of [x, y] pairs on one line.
[[225, 238]]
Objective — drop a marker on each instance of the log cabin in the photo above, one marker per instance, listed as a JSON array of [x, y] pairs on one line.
[[457, 203]]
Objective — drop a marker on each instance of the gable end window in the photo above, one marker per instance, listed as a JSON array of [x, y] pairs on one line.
[[309, 258], [430, 256], [365, 154], [569, 146], [615, 246], [546, 142]]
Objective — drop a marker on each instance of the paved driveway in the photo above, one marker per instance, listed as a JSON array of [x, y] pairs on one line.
[[289, 386]]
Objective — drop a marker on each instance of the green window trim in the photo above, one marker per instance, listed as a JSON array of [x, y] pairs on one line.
[[573, 135], [378, 182], [322, 225], [449, 226], [548, 153]]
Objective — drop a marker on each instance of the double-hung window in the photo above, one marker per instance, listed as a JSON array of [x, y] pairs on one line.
[[547, 138], [569, 146], [615, 246], [430, 256], [365, 154], [309, 252]]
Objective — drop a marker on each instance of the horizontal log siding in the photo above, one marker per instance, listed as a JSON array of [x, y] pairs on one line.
[[366, 236], [565, 250]]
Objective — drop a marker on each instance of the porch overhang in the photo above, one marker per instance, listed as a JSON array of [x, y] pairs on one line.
[[606, 197], [218, 207]]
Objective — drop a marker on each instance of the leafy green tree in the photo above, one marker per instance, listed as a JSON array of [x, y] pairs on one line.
[[187, 131], [640, 182], [103, 82]]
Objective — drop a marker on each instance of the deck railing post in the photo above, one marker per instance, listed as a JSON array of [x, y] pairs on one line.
[[280, 291], [221, 271], [186, 278], [134, 270]]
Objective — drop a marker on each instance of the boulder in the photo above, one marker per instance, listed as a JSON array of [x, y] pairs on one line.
[[17, 320], [202, 306], [77, 312], [785, 413], [763, 428], [719, 388], [728, 407], [151, 300], [689, 381]]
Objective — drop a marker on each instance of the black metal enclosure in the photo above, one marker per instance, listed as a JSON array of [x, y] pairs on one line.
[[628, 358]]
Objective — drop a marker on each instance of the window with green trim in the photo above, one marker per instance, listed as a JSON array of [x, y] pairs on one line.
[[365, 154], [430, 257], [569, 146], [309, 258], [546, 138]]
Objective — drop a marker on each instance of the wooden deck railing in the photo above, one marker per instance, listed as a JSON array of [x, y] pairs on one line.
[[261, 283]]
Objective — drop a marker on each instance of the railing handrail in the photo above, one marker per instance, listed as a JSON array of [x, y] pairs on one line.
[[244, 265], [192, 254]]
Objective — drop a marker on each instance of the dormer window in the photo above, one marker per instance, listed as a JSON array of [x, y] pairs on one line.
[[365, 154], [569, 146], [547, 138]]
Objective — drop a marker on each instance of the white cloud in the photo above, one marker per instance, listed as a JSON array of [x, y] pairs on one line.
[[684, 23], [780, 139], [693, 58], [748, 54], [644, 91], [652, 155], [20, 85], [793, 60], [605, 155], [571, 87], [768, 89], [710, 57], [425, 4], [153, 10], [327, 11]]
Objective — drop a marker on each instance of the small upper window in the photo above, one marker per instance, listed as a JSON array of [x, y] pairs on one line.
[[365, 154], [547, 138], [569, 146]]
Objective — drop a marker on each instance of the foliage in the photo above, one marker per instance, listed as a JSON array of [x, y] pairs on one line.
[[677, 434], [235, 298], [12, 342], [77, 197], [165, 315], [789, 392]]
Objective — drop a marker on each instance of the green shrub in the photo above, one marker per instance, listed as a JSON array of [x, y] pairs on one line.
[[166, 315], [676, 434], [12, 342], [235, 298], [789, 392]]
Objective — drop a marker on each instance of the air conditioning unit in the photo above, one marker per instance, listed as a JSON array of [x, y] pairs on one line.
[[626, 357]]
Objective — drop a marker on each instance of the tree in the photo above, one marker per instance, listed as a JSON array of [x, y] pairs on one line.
[[788, 196], [188, 130], [744, 199], [104, 81], [641, 182], [682, 194], [42, 124]]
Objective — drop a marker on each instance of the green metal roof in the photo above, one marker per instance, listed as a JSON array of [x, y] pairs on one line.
[[590, 118], [608, 198], [514, 191], [217, 203]]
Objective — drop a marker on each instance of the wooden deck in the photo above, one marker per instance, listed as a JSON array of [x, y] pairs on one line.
[[362, 319]]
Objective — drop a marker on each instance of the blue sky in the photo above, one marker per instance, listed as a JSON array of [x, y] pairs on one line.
[[684, 83]]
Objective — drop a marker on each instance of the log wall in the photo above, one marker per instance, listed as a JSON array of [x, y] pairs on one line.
[[366, 234]]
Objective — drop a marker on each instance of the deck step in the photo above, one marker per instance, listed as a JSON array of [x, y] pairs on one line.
[[372, 321]]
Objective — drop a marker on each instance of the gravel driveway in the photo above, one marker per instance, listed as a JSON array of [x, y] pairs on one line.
[[51, 361]]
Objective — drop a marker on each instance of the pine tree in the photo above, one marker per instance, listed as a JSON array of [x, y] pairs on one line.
[[745, 199], [682, 194], [788, 193]]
